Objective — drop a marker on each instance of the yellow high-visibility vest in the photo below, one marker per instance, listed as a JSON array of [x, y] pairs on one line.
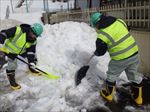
[[17, 44], [120, 42]]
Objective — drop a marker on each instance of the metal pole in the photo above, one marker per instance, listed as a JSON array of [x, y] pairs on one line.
[[44, 4], [149, 16], [47, 8], [68, 5], [125, 3], [11, 6], [27, 6], [125, 9], [75, 4], [7, 12]]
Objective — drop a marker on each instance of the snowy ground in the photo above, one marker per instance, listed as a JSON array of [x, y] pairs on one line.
[[62, 50]]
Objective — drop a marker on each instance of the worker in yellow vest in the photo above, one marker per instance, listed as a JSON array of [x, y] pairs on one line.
[[20, 40], [114, 37]]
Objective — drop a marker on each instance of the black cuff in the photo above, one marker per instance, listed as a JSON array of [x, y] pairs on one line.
[[2, 39], [11, 56], [101, 47], [96, 53], [32, 59]]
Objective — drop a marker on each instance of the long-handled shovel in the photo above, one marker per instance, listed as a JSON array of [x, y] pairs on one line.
[[48, 75], [81, 73]]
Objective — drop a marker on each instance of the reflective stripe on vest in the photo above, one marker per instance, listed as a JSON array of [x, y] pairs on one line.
[[121, 21], [17, 44], [120, 44]]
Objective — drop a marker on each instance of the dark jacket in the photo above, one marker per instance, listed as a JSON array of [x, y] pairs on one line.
[[101, 46], [9, 33]]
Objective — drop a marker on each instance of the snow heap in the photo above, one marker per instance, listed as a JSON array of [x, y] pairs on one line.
[[62, 50]]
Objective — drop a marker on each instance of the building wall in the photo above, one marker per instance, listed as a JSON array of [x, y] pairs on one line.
[[95, 3], [83, 3], [143, 41]]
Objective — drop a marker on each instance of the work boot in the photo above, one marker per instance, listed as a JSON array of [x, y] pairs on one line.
[[136, 90], [11, 78], [108, 92]]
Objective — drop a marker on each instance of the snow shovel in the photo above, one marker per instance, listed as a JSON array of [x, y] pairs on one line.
[[48, 75], [81, 73]]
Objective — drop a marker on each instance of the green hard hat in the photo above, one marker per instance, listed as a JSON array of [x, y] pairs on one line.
[[95, 17], [37, 29]]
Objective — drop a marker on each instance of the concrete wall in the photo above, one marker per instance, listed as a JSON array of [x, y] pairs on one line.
[[143, 41], [8, 23]]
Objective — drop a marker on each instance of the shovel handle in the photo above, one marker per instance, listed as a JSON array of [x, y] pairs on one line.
[[90, 59], [31, 65]]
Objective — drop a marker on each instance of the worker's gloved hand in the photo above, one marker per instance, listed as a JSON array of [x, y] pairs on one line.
[[32, 58], [35, 59], [2, 59], [32, 68], [11, 56]]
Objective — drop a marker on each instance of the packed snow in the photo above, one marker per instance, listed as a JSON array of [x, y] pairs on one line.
[[61, 50]]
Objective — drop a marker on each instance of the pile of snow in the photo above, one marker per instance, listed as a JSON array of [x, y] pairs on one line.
[[62, 50]]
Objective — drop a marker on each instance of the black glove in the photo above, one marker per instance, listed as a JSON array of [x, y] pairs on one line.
[[32, 58], [32, 68], [35, 59], [101, 47], [11, 56], [2, 59]]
